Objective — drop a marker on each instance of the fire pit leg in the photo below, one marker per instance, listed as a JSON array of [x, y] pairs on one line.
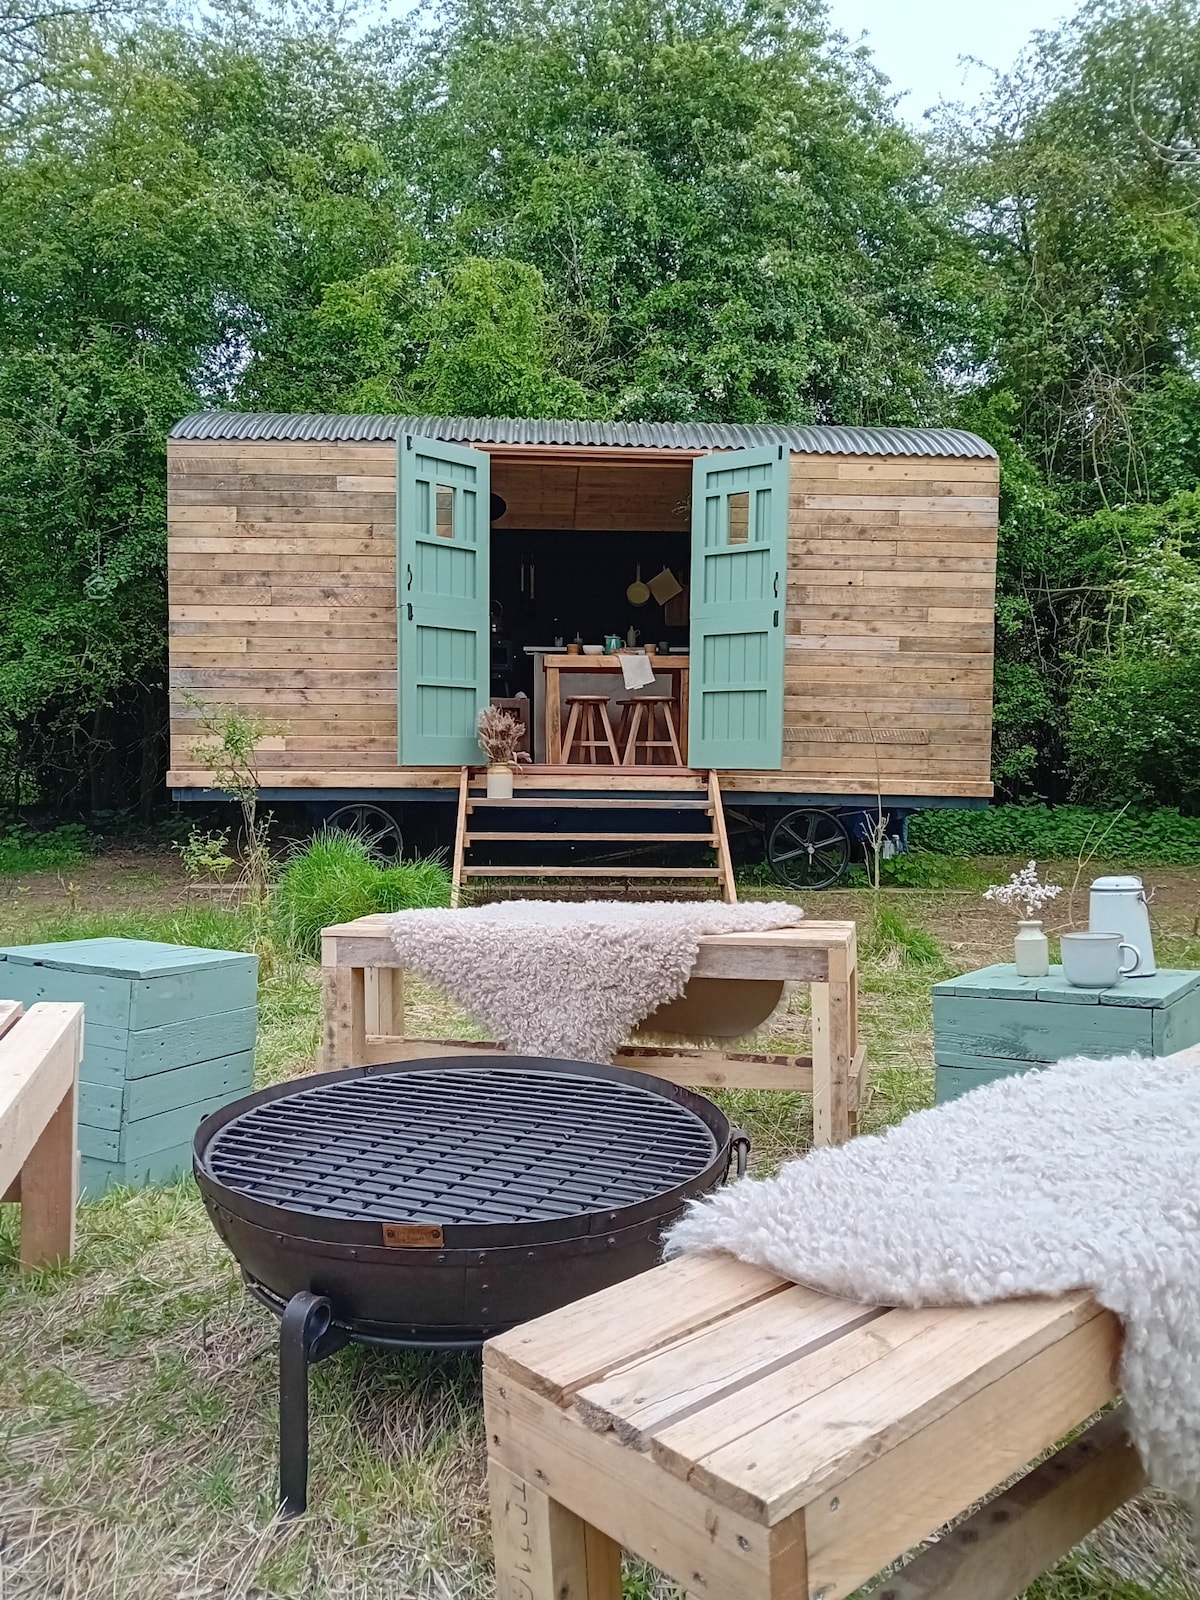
[[306, 1335]]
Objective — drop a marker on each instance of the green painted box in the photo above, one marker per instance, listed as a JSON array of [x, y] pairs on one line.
[[168, 1036], [993, 1023]]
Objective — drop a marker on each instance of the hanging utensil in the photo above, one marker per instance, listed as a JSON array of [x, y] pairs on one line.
[[637, 593], [665, 586]]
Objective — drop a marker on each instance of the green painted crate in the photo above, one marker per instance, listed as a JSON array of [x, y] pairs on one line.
[[993, 1023], [168, 1036]]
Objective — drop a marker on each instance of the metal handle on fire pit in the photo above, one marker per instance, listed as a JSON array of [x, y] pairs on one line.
[[739, 1149]]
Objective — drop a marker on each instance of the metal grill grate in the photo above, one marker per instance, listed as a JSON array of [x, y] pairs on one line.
[[477, 1145]]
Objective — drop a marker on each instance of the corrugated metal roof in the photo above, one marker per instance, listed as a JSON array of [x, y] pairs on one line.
[[636, 435]]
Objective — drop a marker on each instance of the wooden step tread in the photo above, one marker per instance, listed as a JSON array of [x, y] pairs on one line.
[[620, 775], [633, 837], [597, 803], [590, 872]]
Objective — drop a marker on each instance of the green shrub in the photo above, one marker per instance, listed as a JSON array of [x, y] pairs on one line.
[[1159, 836], [23, 849], [337, 877], [921, 869]]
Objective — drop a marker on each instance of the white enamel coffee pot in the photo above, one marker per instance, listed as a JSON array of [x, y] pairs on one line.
[[1119, 905]]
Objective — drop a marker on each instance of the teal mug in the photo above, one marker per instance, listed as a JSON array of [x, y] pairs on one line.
[[612, 643]]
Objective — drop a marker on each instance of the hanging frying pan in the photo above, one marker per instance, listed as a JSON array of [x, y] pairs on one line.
[[637, 593]]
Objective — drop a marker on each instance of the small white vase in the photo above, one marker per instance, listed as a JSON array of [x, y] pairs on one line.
[[500, 782], [1031, 950]]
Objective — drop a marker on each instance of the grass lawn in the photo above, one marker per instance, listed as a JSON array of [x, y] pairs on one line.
[[137, 1389]]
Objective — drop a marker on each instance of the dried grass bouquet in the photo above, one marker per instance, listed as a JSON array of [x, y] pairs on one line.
[[499, 735]]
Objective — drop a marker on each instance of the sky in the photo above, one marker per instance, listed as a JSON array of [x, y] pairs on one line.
[[917, 43]]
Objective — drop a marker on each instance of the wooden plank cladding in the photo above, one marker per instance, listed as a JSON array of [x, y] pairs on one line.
[[282, 573], [282, 578], [891, 589]]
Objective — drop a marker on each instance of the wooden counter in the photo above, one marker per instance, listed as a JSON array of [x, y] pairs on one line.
[[674, 668]]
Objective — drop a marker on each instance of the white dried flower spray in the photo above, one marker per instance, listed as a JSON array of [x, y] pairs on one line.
[[1025, 891]]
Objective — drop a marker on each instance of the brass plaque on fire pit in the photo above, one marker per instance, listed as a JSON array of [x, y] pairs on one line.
[[413, 1235]]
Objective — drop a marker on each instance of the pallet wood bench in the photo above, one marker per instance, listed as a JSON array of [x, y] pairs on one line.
[[364, 1016], [758, 1441], [40, 1051]]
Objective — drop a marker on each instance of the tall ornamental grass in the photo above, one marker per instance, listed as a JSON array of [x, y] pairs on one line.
[[336, 877]]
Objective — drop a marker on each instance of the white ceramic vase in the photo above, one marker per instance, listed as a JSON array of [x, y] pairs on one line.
[[500, 782], [1031, 950]]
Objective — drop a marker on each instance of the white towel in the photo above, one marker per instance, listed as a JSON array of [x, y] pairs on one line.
[[636, 669]]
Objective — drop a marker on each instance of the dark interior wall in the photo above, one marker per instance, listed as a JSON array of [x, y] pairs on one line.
[[578, 582]]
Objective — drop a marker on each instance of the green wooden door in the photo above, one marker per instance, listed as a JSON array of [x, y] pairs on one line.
[[443, 583], [739, 579]]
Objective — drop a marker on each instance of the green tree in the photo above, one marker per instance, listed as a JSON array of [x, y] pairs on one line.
[[1133, 728], [715, 191], [1076, 185], [150, 214], [479, 339]]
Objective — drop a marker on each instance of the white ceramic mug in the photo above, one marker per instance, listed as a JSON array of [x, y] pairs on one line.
[[1093, 960]]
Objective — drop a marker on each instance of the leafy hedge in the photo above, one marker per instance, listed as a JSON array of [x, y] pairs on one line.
[[1060, 832]]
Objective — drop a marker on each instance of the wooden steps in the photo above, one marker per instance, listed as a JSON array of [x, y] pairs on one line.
[[603, 832]]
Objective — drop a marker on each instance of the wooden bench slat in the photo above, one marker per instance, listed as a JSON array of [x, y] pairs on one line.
[[40, 1052], [775, 1444], [798, 954], [10, 1010], [905, 1494], [707, 1365], [38, 1062], [563, 1352]]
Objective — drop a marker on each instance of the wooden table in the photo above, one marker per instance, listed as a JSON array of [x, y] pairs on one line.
[[364, 1016], [755, 1440], [554, 666]]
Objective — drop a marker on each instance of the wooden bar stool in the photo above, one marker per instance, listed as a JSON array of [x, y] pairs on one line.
[[589, 730], [648, 726]]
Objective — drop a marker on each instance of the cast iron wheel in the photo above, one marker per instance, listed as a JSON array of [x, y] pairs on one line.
[[372, 823], [808, 849]]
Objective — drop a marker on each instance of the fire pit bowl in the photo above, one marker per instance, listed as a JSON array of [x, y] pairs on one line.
[[434, 1203]]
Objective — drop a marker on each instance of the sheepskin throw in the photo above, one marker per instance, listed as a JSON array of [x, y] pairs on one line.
[[1082, 1176], [550, 978]]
